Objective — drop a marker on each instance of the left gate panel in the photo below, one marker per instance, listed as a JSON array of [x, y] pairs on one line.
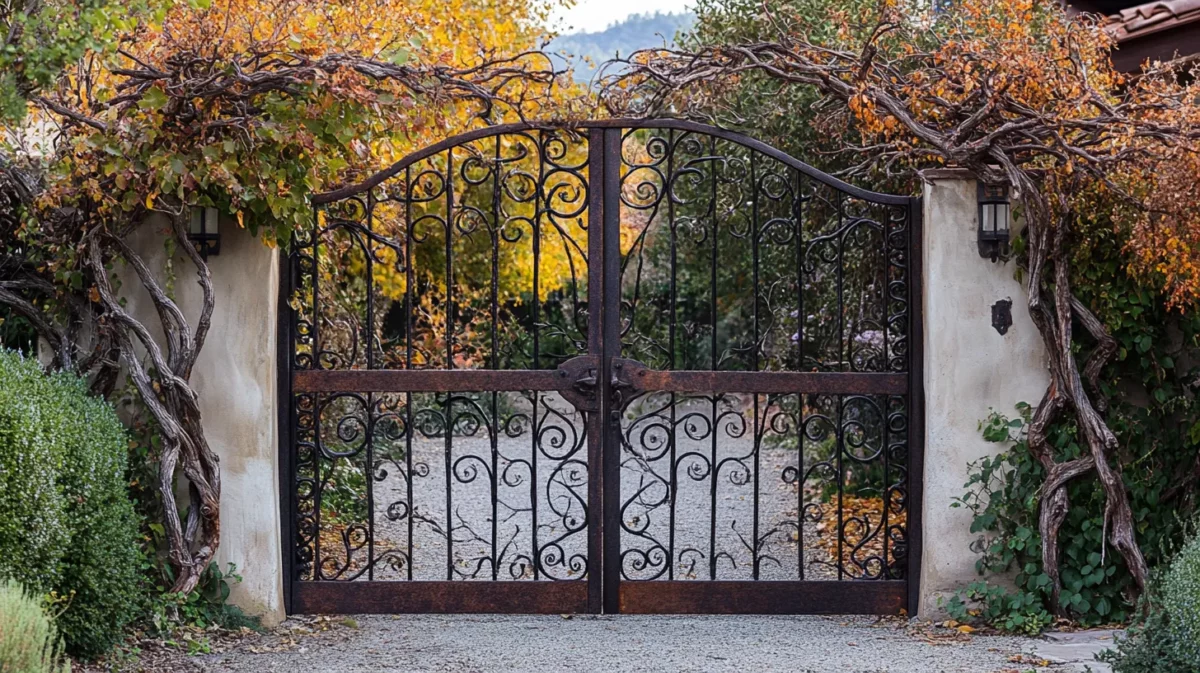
[[439, 438]]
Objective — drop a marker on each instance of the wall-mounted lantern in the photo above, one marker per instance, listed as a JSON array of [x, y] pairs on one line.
[[204, 232], [994, 220]]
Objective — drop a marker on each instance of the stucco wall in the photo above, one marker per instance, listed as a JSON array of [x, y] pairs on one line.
[[969, 369], [235, 379]]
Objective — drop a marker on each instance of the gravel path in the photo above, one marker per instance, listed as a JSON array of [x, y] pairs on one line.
[[619, 644]]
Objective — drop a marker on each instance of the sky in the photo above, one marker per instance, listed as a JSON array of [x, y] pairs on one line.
[[594, 15]]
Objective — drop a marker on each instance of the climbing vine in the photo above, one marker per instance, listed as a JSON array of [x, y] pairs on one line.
[[1150, 385], [1020, 93]]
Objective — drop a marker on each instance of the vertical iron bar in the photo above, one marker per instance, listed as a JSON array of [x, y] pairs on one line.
[[408, 475], [595, 419], [495, 306], [316, 350], [671, 338], [449, 363], [887, 367], [916, 402], [754, 363], [408, 357], [798, 216], [887, 481], [712, 316], [370, 425], [449, 445], [885, 285], [538, 205], [839, 447], [843, 349]]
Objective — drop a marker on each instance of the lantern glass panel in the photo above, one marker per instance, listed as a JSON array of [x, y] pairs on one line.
[[989, 217], [204, 221]]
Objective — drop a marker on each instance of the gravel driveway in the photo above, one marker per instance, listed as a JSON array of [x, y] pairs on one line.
[[618, 644]]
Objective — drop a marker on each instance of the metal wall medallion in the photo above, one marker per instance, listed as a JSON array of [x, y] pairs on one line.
[[1002, 315]]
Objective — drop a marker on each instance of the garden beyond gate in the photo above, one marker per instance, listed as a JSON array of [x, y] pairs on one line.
[[616, 366]]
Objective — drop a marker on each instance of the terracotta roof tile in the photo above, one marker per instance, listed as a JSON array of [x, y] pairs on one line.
[[1152, 17]]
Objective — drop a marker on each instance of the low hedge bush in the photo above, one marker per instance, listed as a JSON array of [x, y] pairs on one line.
[[67, 526], [1168, 639]]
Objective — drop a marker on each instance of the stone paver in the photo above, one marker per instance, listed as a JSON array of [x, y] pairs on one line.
[[1076, 651]]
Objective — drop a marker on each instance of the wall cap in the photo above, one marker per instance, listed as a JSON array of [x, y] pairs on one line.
[[931, 174]]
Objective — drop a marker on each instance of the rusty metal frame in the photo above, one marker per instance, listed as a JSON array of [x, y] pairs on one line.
[[601, 383]]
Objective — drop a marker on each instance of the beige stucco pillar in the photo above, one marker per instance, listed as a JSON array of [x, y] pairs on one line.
[[235, 379], [969, 369]]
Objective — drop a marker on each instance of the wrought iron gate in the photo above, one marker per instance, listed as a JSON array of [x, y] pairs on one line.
[[622, 366]]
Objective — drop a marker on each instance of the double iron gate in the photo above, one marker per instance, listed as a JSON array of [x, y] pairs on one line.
[[625, 366]]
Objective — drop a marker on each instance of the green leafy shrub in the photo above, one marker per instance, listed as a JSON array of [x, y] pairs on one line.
[[206, 606], [67, 526], [1168, 638], [1003, 494], [1181, 602], [29, 642]]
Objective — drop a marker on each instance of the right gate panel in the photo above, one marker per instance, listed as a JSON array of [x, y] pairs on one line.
[[759, 421]]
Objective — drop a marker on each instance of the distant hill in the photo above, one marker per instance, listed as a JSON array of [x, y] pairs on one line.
[[636, 32]]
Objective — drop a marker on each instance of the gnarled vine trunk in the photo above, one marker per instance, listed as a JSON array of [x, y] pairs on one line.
[[165, 388], [1053, 309]]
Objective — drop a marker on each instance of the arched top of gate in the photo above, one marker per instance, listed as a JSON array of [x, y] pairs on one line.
[[620, 124]]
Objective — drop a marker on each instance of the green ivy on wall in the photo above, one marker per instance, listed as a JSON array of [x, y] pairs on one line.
[[1150, 386]]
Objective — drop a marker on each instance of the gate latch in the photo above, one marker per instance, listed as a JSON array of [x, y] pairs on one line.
[[627, 382], [580, 377]]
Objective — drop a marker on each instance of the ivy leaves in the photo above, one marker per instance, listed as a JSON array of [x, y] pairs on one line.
[[1003, 495]]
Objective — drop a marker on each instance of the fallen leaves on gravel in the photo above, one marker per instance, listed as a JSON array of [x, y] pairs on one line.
[[943, 633], [854, 509], [1028, 660], [175, 655]]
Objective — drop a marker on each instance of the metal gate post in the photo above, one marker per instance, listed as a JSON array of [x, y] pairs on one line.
[[916, 402], [596, 439], [610, 188], [285, 409]]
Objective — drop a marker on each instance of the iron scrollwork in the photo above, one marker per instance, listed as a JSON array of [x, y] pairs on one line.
[[474, 255], [736, 261]]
